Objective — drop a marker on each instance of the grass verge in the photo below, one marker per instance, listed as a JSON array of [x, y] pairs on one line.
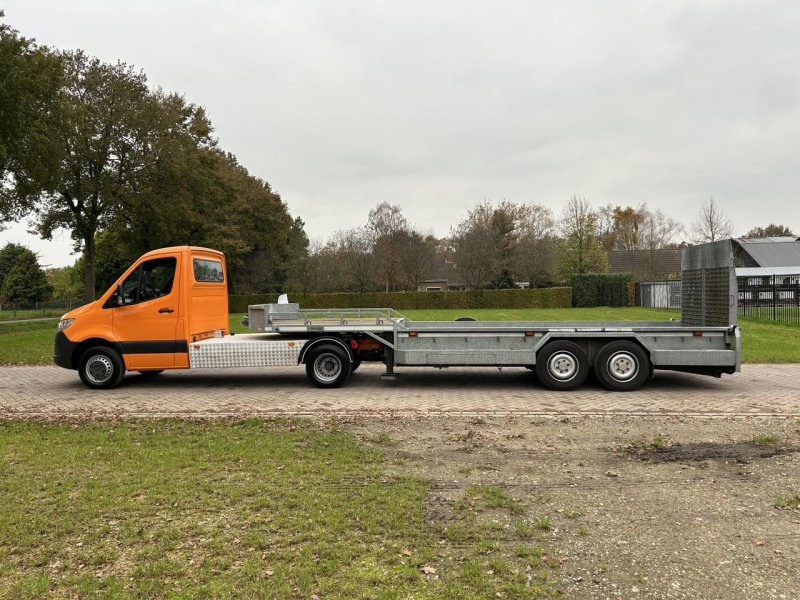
[[211, 509]]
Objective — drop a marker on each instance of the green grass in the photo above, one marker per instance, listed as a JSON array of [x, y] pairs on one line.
[[29, 343], [188, 509], [11, 315], [791, 501], [762, 342], [766, 439]]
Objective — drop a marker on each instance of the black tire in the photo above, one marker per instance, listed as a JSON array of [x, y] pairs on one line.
[[328, 366], [151, 373], [622, 366], [562, 365], [101, 368]]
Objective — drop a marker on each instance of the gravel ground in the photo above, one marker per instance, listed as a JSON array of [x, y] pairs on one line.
[[639, 507]]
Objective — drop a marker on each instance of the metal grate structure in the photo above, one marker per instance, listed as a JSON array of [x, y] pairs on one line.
[[770, 297], [708, 285]]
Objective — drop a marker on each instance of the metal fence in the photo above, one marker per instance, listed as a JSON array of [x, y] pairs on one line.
[[772, 297], [659, 294], [768, 297], [34, 310]]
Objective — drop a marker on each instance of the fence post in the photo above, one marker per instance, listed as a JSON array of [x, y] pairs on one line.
[[774, 301]]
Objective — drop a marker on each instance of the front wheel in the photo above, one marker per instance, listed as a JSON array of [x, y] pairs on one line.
[[101, 368], [562, 365], [328, 366], [622, 366]]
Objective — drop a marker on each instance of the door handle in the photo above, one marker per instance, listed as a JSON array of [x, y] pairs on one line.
[[165, 310]]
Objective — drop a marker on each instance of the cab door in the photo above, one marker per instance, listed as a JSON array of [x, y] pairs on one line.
[[146, 321]]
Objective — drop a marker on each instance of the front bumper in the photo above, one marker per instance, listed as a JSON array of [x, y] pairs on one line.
[[64, 351]]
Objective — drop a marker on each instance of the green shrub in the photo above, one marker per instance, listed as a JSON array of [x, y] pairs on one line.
[[560, 297], [601, 289]]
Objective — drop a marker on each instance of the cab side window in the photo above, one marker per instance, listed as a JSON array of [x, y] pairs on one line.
[[152, 279]]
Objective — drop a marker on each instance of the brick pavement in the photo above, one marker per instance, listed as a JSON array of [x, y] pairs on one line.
[[39, 391]]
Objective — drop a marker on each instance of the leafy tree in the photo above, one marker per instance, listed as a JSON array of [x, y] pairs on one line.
[[712, 224], [486, 242], [26, 281], [581, 251], [29, 80], [67, 283], [9, 255], [88, 157], [771, 230]]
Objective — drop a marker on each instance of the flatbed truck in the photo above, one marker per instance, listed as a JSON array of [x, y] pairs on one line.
[[169, 310]]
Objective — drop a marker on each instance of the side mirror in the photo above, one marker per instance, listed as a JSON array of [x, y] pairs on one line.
[[115, 299]]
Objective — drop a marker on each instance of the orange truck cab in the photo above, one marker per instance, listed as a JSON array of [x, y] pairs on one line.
[[167, 299]]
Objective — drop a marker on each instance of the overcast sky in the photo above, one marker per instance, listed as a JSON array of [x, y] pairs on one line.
[[436, 106]]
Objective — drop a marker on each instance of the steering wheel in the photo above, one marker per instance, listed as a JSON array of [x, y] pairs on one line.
[[150, 291]]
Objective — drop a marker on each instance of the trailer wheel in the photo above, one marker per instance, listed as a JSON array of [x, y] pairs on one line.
[[327, 366], [101, 368], [562, 365], [622, 366]]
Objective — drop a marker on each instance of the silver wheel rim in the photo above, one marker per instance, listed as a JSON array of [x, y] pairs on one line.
[[622, 366], [327, 367], [99, 369], [563, 366]]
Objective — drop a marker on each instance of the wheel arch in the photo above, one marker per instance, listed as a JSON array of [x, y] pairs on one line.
[[592, 344], [311, 344], [92, 342]]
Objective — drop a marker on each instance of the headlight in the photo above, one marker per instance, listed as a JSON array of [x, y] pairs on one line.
[[64, 323]]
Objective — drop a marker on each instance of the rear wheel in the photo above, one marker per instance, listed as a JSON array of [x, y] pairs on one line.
[[562, 365], [328, 366], [622, 366], [101, 368]]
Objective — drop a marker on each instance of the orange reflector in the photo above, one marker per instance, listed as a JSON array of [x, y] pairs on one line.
[[291, 344], [697, 333], [528, 333], [412, 334]]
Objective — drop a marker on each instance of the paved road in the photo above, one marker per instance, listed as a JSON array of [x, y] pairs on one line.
[[36, 391]]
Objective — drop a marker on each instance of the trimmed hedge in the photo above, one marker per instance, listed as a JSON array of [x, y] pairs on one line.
[[560, 297], [601, 289]]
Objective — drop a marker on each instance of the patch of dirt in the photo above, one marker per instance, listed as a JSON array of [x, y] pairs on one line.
[[742, 452], [637, 507]]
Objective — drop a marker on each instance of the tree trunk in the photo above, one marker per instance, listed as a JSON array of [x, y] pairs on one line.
[[88, 268]]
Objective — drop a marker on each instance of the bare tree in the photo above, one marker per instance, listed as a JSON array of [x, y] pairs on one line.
[[354, 253], [387, 226], [536, 256], [712, 224], [417, 253], [657, 231]]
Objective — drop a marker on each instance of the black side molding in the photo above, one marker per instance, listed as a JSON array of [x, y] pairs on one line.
[[154, 347]]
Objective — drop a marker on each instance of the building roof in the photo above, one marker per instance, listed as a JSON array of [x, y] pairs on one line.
[[645, 264], [766, 271], [772, 254], [761, 240]]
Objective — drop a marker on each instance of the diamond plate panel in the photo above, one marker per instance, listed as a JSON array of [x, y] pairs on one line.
[[216, 353]]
